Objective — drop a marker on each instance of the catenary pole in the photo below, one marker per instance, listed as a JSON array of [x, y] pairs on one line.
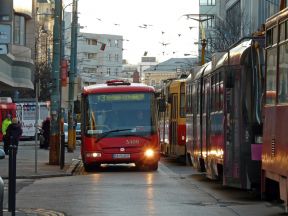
[[55, 95], [72, 74]]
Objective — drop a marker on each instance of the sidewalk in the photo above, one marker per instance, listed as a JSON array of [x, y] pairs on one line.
[[33, 163]]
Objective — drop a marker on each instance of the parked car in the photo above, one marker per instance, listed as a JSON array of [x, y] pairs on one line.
[[78, 131], [66, 132]]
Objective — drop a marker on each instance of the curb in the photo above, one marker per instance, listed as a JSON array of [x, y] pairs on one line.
[[33, 212], [69, 172]]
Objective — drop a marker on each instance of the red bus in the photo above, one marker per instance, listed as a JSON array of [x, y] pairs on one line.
[[275, 142], [6, 106], [120, 125]]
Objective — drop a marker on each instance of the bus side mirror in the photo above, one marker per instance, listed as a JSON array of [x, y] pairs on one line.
[[161, 105], [77, 109]]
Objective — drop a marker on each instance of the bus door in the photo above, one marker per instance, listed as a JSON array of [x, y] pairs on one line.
[[231, 169], [174, 124]]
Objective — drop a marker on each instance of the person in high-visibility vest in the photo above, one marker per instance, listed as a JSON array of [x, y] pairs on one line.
[[5, 124]]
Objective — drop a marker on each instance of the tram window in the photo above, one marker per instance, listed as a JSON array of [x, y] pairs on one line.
[[286, 33], [282, 31], [217, 95], [275, 35], [269, 36], [283, 74], [271, 75], [221, 96]]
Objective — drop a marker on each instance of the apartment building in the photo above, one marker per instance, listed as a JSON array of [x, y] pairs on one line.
[[17, 39]]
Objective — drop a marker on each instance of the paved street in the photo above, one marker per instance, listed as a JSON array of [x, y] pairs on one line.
[[33, 164], [122, 190]]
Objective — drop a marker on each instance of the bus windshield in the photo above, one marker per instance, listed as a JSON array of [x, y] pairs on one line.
[[120, 114]]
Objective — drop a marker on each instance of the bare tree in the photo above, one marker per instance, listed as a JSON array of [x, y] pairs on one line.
[[227, 31]]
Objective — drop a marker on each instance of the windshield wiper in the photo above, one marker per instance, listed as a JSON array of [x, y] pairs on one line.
[[103, 135]]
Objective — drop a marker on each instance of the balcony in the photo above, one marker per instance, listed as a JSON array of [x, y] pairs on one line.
[[16, 69]]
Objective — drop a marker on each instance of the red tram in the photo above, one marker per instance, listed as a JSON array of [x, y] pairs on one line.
[[275, 142], [173, 120], [223, 110]]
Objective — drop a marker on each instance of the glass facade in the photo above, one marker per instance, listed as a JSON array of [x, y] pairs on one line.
[[19, 30]]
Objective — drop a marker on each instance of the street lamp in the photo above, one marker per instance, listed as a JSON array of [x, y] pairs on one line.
[[203, 37]]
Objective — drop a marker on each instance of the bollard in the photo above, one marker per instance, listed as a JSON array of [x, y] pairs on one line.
[[62, 151], [1, 196], [12, 179]]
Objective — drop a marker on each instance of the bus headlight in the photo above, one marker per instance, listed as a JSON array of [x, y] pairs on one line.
[[93, 154], [149, 153]]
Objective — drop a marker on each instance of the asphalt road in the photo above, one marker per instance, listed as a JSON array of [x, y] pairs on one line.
[[123, 190]]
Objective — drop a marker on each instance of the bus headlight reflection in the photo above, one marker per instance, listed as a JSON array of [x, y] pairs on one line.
[[149, 153]]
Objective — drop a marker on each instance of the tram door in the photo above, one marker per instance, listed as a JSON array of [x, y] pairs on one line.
[[231, 169], [174, 124]]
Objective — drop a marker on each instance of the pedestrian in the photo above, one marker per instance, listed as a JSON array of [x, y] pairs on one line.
[[5, 124], [13, 133], [46, 132]]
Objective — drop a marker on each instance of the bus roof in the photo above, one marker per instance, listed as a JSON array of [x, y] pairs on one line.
[[115, 86]]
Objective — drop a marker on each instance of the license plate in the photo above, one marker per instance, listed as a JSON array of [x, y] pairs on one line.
[[121, 155]]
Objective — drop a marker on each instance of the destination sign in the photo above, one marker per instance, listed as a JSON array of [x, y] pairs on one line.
[[120, 97]]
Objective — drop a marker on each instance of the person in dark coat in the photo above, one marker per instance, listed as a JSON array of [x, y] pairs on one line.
[[46, 132], [13, 133]]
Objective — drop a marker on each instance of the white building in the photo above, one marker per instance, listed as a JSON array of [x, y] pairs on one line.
[[99, 57]]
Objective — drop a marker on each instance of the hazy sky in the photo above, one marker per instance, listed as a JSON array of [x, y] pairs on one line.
[[164, 19]]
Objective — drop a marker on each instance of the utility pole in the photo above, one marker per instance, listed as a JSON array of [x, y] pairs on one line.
[[55, 95], [203, 36], [203, 46], [72, 74]]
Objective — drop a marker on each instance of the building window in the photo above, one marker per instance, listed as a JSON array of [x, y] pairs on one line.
[[92, 55], [19, 30], [233, 14], [108, 71], [109, 42], [116, 43], [91, 41], [109, 57], [208, 2], [116, 57]]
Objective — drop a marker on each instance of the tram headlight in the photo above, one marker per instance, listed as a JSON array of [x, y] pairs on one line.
[[149, 153]]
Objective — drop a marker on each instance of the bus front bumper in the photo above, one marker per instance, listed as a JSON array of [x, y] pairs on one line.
[[147, 157]]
